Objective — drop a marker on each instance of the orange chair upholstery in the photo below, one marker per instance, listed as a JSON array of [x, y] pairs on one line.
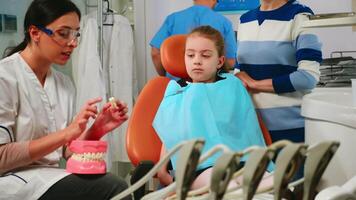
[[142, 143], [172, 56], [265, 132]]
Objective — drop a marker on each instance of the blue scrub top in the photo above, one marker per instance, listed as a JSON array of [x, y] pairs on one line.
[[183, 22]]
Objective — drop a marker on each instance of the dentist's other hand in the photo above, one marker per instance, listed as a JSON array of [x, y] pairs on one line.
[[108, 119], [79, 124]]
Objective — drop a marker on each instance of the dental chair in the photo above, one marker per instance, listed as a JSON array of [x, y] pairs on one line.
[[142, 143]]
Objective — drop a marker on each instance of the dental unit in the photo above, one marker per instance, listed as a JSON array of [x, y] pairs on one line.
[[190, 153], [183, 189], [252, 172], [288, 161]]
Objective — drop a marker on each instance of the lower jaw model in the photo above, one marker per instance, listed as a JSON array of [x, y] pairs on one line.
[[88, 157]]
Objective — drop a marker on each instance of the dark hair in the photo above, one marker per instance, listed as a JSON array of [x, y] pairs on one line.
[[213, 35], [41, 13]]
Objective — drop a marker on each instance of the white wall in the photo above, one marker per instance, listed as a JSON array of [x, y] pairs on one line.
[[336, 38], [18, 8], [140, 41]]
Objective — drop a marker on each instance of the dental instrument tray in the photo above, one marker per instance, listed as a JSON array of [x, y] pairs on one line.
[[331, 20], [331, 15], [337, 71]]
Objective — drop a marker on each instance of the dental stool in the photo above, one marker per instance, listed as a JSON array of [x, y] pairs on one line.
[[142, 143]]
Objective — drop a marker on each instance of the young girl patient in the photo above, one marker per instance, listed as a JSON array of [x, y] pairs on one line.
[[215, 106]]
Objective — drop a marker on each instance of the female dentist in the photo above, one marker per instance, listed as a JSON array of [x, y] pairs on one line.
[[36, 112]]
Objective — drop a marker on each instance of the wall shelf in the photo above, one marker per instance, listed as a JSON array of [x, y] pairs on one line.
[[331, 20]]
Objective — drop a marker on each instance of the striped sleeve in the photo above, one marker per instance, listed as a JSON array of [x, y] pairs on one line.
[[307, 45], [282, 84], [308, 55]]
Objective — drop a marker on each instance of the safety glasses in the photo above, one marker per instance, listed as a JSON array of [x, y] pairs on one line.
[[63, 36]]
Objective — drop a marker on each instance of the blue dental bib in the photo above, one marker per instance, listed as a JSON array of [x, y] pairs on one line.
[[220, 113]]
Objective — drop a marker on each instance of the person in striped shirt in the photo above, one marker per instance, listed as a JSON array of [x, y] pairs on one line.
[[279, 62]]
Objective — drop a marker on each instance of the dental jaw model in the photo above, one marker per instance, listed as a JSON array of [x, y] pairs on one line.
[[87, 158], [88, 155]]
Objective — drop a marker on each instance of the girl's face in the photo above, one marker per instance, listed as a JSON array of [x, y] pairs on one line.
[[202, 59], [58, 39]]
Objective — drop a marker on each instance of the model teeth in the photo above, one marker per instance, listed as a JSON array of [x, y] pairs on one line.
[[88, 157]]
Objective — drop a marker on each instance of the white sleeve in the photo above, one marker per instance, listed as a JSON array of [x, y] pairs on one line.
[[8, 108]]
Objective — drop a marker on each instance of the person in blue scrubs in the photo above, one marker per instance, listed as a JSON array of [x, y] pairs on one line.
[[184, 21]]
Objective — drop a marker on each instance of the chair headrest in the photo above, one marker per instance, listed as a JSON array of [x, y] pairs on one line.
[[172, 56]]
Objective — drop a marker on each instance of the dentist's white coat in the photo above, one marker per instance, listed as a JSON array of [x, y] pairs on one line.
[[29, 111], [92, 78]]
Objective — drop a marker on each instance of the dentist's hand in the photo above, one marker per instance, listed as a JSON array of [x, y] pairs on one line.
[[79, 124], [108, 119]]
